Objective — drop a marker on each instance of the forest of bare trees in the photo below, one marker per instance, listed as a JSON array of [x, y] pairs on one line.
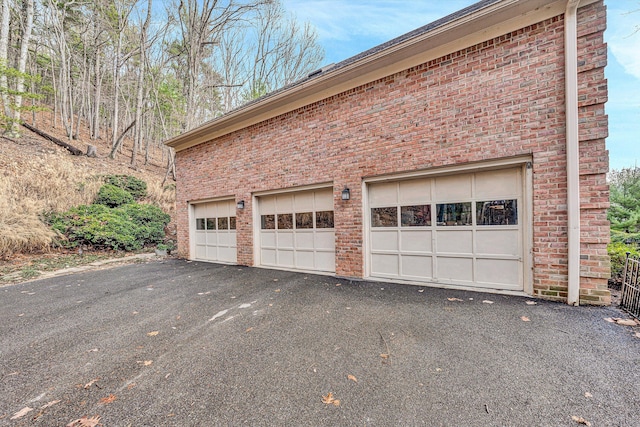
[[145, 69]]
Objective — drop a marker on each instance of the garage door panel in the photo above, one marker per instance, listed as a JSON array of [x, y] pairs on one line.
[[304, 202], [498, 242], [504, 272], [215, 217], [323, 200], [455, 269], [384, 240], [212, 253], [284, 204], [415, 241], [305, 260], [227, 254], [384, 194], [496, 184], [325, 261], [453, 188], [455, 241], [415, 191], [305, 240], [417, 266], [285, 258], [325, 240], [385, 264], [285, 240], [458, 229], [212, 238], [268, 239], [268, 256], [296, 230], [201, 251]]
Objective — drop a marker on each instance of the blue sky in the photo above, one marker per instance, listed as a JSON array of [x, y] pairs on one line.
[[350, 27]]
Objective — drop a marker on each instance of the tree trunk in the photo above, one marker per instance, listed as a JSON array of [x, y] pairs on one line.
[[22, 65], [4, 49]]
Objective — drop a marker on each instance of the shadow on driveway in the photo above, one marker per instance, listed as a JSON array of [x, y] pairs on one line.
[[177, 343]]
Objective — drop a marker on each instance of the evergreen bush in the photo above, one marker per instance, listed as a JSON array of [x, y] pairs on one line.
[[127, 227], [113, 196], [135, 186]]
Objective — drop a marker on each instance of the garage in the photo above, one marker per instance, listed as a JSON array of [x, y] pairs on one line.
[[464, 229], [296, 230], [215, 231]]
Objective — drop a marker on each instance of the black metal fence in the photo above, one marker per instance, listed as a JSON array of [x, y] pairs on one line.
[[630, 301]]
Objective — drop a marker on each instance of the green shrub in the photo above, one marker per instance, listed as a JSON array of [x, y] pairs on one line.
[[127, 227], [135, 186], [618, 253], [112, 196]]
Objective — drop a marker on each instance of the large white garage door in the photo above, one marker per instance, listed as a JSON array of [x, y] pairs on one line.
[[297, 231], [459, 229], [215, 231]]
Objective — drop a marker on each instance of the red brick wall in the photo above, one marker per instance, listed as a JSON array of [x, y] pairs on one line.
[[501, 98]]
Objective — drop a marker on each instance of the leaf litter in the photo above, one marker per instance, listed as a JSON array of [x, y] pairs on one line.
[[581, 420], [330, 400], [85, 422]]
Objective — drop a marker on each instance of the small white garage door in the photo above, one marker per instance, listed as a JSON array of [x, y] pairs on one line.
[[215, 231], [297, 231], [459, 229]]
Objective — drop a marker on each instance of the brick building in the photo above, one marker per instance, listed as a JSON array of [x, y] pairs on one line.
[[467, 153]]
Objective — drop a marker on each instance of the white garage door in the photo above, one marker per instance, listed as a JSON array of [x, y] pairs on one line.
[[297, 231], [460, 229], [215, 231]]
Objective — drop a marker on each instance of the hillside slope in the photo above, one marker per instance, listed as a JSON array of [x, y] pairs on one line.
[[37, 177]]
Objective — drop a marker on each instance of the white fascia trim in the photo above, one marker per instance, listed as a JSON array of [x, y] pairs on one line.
[[573, 151], [454, 169], [212, 199], [320, 186]]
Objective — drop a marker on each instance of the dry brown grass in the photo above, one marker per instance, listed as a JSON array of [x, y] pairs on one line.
[[37, 179]]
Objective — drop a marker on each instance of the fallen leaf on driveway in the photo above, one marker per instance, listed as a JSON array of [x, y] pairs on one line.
[[24, 411], [329, 400], [487, 302], [609, 319], [587, 394], [109, 399], [581, 420], [85, 422], [384, 356], [277, 290], [145, 362], [531, 303], [90, 383], [420, 290], [525, 319], [46, 405], [352, 378], [637, 335], [338, 284], [454, 299], [626, 322], [153, 334]]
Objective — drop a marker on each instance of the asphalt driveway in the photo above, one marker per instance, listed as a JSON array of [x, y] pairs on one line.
[[195, 344]]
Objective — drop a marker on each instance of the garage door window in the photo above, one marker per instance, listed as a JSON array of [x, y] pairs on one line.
[[497, 212], [232, 223], [199, 223], [285, 222], [211, 223], [415, 216], [454, 214], [268, 222], [384, 217], [304, 220], [223, 223], [324, 219]]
